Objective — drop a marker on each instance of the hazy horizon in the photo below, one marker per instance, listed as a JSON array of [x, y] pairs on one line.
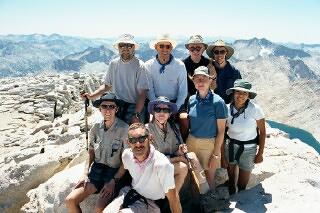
[[282, 21]]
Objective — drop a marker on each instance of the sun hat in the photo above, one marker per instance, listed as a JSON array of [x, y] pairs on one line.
[[126, 38], [163, 38], [202, 70], [196, 39], [109, 96], [242, 85], [219, 43], [162, 100]]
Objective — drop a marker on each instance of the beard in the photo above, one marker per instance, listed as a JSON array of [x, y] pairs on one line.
[[127, 56]]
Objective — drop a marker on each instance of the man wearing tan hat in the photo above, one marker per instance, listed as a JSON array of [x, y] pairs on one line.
[[220, 52], [127, 78], [168, 75]]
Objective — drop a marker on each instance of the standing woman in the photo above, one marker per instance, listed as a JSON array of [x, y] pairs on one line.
[[207, 116], [246, 130]]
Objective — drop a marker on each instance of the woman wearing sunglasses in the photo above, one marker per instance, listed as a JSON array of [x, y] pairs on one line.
[[103, 169], [219, 52]]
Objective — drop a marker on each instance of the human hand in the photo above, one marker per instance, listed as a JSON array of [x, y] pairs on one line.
[[82, 181], [258, 158], [213, 162], [134, 119], [182, 149], [108, 189]]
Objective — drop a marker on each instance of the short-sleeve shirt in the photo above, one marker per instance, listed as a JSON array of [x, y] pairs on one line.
[[152, 178], [172, 83], [244, 127], [203, 114], [191, 66], [127, 78], [108, 144], [226, 77], [165, 142]]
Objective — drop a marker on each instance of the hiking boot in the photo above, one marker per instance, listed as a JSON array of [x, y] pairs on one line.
[[211, 202]]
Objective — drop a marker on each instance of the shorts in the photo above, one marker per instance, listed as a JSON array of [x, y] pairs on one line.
[[100, 174], [246, 160], [202, 147]]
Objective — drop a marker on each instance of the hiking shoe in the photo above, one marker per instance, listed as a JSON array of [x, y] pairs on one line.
[[211, 202]]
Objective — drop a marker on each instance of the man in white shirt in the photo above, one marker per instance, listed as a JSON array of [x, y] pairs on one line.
[[152, 176]]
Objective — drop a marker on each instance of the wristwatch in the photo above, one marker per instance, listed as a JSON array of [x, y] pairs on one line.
[[137, 115]]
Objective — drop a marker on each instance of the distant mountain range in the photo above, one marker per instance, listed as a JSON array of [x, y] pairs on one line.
[[30, 54]]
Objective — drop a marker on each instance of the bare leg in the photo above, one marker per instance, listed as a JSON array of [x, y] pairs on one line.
[[180, 173], [77, 196], [184, 125], [232, 178], [243, 179], [210, 177]]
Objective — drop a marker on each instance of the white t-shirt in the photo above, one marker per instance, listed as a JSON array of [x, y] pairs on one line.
[[244, 127], [152, 178]]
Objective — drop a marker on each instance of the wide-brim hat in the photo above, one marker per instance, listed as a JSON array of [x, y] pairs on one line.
[[202, 70], [106, 97], [219, 43], [242, 85], [196, 39], [128, 39], [162, 100], [163, 38]]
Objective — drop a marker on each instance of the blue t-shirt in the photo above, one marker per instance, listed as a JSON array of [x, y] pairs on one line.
[[203, 114]]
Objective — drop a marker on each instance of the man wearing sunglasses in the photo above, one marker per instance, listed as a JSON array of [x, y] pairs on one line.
[[168, 75], [103, 168], [226, 73], [127, 78], [152, 177]]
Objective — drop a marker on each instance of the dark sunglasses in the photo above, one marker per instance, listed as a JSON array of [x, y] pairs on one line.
[[159, 109], [140, 139], [127, 45], [192, 49], [108, 106], [221, 52], [167, 46]]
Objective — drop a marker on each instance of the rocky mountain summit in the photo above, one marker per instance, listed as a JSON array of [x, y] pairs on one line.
[[42, 149]]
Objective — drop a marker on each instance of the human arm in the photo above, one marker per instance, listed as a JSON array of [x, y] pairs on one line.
[[262, 138], [108, 188], [174, 201], [216, 153], [100, 91], [139, 105], [182, 86], [84, 178]]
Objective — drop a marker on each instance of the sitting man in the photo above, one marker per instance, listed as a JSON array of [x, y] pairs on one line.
[[106, 139], [152, 176]]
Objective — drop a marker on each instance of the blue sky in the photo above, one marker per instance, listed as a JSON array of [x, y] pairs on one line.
[[276, 20]]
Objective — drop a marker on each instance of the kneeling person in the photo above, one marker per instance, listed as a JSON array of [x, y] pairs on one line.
[[152, 176], [106, 144]]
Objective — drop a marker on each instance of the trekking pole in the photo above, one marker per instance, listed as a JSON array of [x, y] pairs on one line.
[[86, 105], [176, 132]]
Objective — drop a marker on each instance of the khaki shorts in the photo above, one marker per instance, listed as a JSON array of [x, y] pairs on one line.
[[202, 147]]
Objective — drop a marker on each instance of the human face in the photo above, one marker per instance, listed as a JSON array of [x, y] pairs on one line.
[[108, 110], [141, 147], [220, 54], [202, 83], [240, 97], [164, 49], [126, 51], [161, 117], [196, 50]]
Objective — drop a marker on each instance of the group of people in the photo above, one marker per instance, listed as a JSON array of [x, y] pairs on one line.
[[194, 113]]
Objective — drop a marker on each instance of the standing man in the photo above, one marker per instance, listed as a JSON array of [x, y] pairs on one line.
[[103, 166], [226, 73], [152, 176], [127, 78], [168, 75]]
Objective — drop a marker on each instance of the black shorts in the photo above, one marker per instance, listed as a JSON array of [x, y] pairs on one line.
[[100, 174]]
